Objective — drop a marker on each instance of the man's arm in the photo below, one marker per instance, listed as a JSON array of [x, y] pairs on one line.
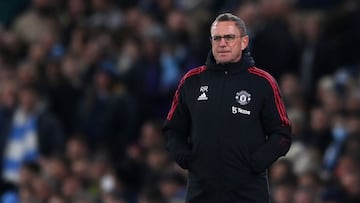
[[276, 126], [177, 128]]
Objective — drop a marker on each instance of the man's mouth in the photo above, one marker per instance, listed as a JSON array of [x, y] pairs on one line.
[[223, 52]]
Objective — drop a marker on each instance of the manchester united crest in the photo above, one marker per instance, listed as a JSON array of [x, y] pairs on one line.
[[243, 97]]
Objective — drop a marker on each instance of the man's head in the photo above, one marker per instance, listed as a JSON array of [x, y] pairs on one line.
[[228, 38]]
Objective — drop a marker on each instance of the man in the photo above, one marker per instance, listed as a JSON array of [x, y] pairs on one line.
[[227, 123]]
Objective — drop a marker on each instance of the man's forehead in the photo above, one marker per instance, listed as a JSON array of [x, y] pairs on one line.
[[225, 26]]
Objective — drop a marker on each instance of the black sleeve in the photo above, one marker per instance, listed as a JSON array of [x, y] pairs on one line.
[[277, 128], [177, 128]]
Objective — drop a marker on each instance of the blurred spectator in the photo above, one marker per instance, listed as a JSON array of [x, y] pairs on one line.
[[74, 15], [299, 153], [113, 198], [318, 56], [76, 148], [173, 187], [8, 91], [10, 48], [282, 170], [38, 19], [353, 102], [158, 163], [56, 168], [28, 172], [304, 158], [318, 135], [42, 188], [104, 15], [291, 90], [31, 134], [327, 96], [151, 135], [351, 184], [298, 120], [352, 146], [249, 12], [27, 75], [131, 171], [303, 195], [151, 195], [77, 42], [145, 80], [310, 180], [63, 91], [158, 9], [72, 187], [104, 181], [272, 43], [339, 135], [57, 199], [347, 164], [107, 117], [283, 192], [128, 55]]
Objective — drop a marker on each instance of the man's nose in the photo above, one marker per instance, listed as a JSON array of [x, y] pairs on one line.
[[222, 42]]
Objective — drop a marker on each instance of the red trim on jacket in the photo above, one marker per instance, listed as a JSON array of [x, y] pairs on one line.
[[279, 103], [175, 101]]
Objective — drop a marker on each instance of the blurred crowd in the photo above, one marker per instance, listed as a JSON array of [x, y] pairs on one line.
[[86, 84]]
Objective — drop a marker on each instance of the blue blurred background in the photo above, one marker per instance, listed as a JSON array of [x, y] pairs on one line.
[[86, 84]]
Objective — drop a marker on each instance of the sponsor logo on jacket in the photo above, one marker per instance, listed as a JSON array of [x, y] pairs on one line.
[[236, 110]]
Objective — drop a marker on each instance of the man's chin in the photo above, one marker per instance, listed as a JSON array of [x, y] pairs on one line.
[[223, 61]]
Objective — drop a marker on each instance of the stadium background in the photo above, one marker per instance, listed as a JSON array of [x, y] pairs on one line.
[[97, 78]]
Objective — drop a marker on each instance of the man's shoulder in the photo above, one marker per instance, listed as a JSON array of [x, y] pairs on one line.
[[262, 74], [192, 72]]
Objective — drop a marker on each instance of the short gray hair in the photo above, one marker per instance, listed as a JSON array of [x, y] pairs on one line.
[[230, 17]]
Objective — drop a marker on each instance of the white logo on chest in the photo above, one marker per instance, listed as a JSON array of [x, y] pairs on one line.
[[236, 110], [203, 91], [242, 97]]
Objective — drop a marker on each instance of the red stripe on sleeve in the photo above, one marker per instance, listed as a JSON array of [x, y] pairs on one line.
[[175, 101], [279, 103]]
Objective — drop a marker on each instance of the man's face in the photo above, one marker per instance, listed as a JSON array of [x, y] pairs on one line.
[[227, 42]]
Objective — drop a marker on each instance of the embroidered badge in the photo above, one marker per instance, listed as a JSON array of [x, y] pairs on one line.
[[243, 97]]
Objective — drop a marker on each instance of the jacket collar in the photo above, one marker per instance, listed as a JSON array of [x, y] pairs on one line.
[[245, 62]]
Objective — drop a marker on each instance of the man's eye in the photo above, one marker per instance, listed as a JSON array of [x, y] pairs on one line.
[[217, 38], [229, 37]]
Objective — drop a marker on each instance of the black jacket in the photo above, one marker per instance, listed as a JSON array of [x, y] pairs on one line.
[[227, 125]]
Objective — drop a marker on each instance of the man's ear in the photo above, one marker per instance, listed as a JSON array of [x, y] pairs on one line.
[[244, 42]]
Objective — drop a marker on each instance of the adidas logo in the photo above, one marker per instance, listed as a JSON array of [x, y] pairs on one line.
[[202, 97]]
